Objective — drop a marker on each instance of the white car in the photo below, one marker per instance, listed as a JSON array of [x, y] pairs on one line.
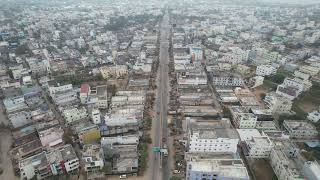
[[124, 176]]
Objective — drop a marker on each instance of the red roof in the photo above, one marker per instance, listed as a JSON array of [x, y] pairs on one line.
[[84, 88]]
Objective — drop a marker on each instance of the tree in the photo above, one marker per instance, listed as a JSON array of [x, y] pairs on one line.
[[175, 178], [262, 96], [226, 112], [278, 78], [67, 136]]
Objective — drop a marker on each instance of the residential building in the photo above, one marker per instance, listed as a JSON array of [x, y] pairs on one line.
[[15, 104], [226, 79], [301, 75], [311, 170], [265, 70], [51, 137], [245, 120], [314, 116], [196, 53], [311, 70], [114, 71], [213, 141], [259, 147], [70, 159], [288, 92], [35, 166], [63, 95], [92, 157], [277, 103], [74, 114], [283, 161], [300, 129], [96, 116], [211, 169]]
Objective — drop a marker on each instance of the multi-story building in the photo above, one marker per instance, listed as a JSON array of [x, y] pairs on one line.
[[192, 78], [265, 70], [51, 137], [96, 97], [211, 169], [96, 116], [92, 157], [62, 160], [300, 129], [288, 92], [15, 104], [259, 147], [311, 70], [74, 114], [215, 141], [311, 170], [63, 94], [288, 82], [243, 120], [70, 159], [196, 53], [114, 71], [283, 159], [225, 79], [35, 166], [124, 149], [278, 104], [301, 75]]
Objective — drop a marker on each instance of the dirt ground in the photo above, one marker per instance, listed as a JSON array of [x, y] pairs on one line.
[[308, 107], [5, 145], [262, 169]]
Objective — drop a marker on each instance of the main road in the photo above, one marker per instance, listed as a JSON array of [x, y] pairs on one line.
[[160, 166]]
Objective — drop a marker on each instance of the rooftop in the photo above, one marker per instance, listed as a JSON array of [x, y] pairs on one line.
[[248, 134], [225, 167], [299, 125]]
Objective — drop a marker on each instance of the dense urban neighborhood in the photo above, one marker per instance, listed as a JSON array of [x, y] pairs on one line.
[[160, 90]]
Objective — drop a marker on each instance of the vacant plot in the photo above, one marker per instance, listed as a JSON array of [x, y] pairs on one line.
[[310, 100], [262, 169]]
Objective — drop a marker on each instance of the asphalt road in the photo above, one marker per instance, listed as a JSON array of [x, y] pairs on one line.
[[160, 166]]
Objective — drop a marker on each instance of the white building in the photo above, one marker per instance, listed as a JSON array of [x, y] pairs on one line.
[[300, 129], [129, 139], [70, 159], [245, 120], [311, 70], [15, 104], [288, 92], [311, 170], [35, 166], [92, 157], [114, 71], [301, 75], [55, 89], [214, 141], [288, 82], [74, 114], [223, 79], [278, 104], [259, 147], [282, 162], [314, 116], [265, 70], [96, 116], [211, 169], [120, 120]]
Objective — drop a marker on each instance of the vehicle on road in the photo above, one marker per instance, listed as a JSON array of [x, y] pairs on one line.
[[124, 176], [176, 171]]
